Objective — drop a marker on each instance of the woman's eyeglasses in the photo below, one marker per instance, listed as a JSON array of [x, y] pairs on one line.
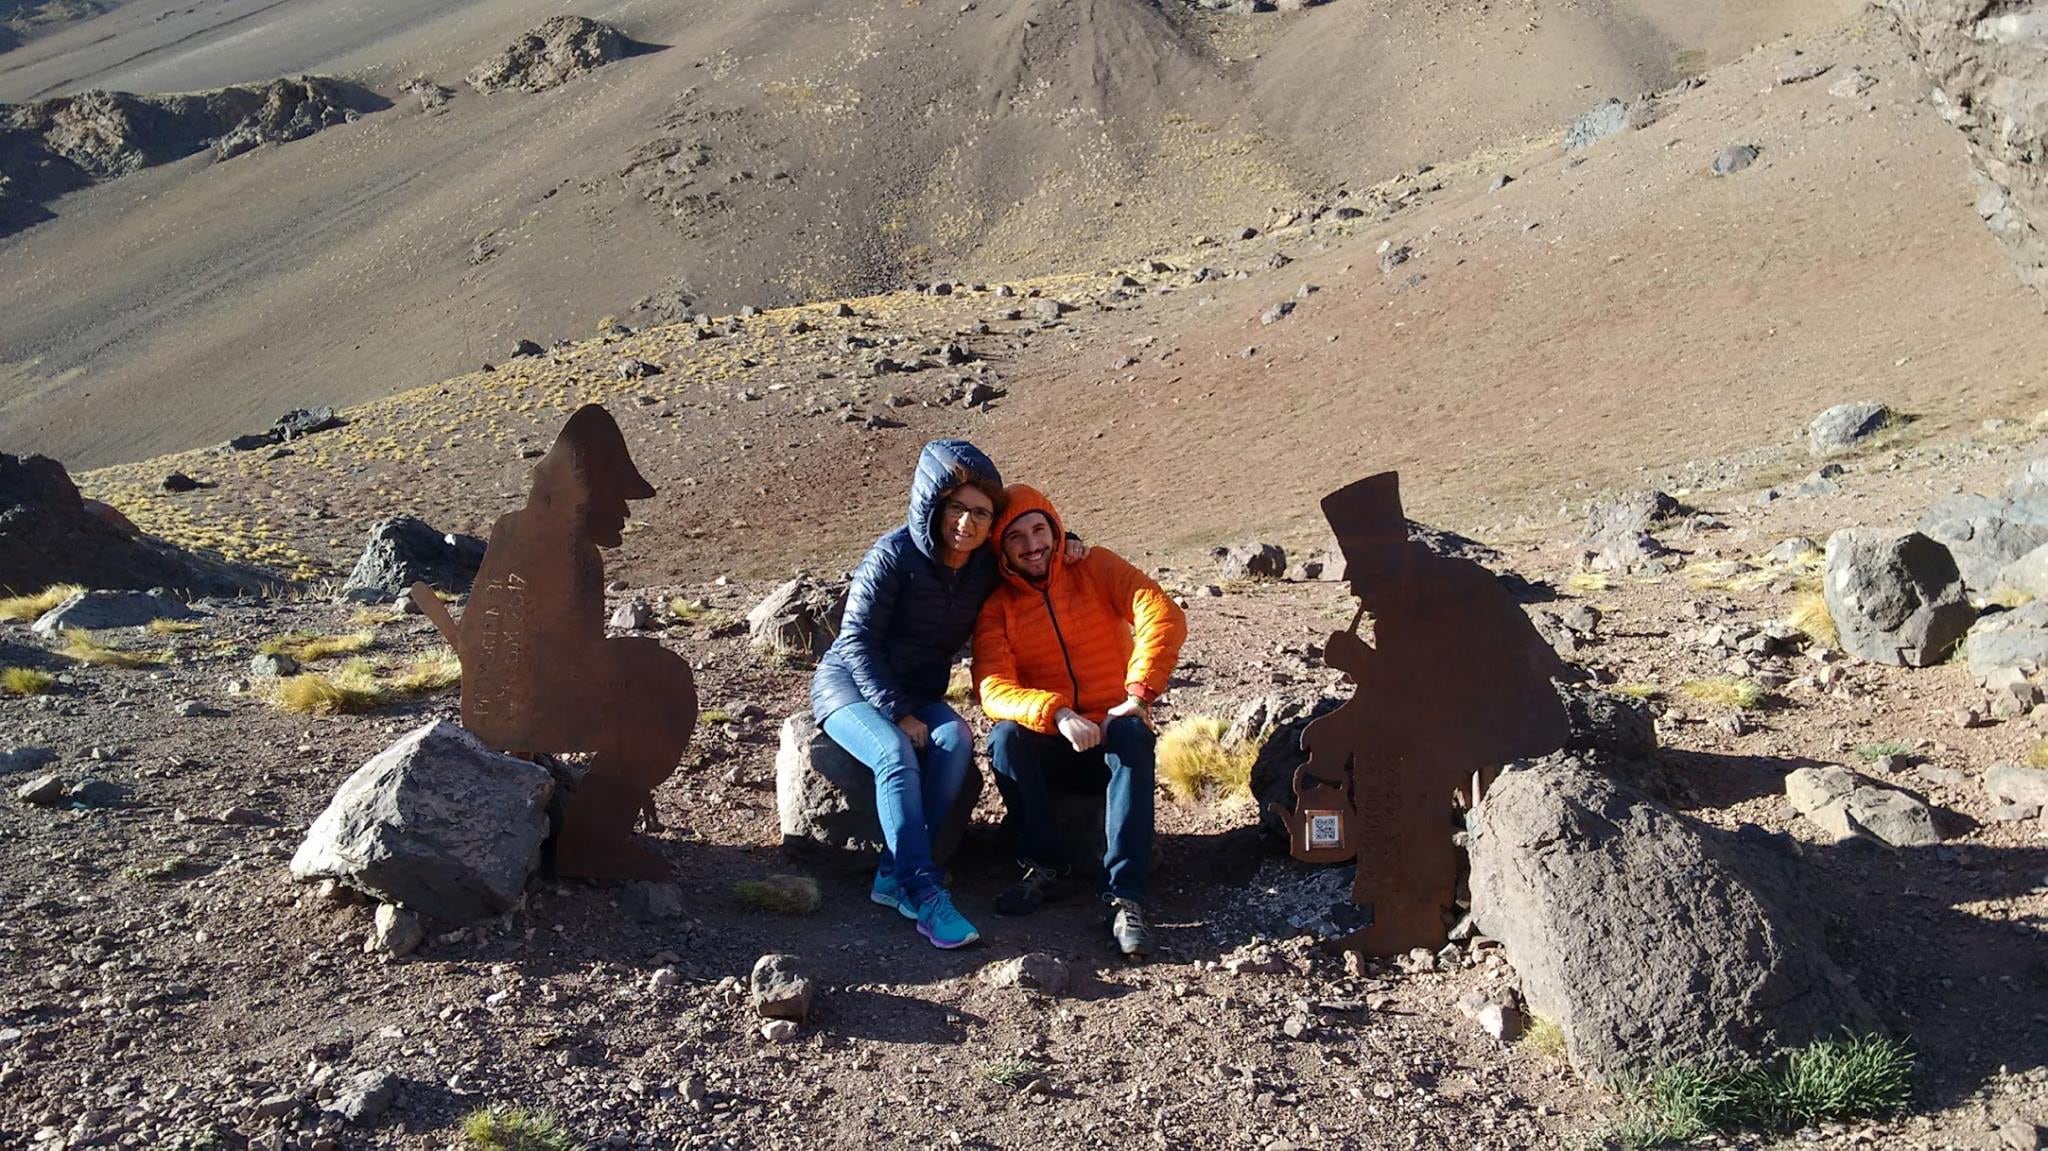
[[954, 509]]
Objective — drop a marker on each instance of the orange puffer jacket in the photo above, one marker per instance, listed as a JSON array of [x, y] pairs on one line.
[[1097, 631]]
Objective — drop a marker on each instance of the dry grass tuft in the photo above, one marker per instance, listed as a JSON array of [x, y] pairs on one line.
[[1810, 615], [1544, 1038], [1739, 694], [350, 691], [308, 648], [2038, 755], [85, 647], [1585, 582], [25, 608], [1635, 690], [781, 894], [1194, 762], [26, 681], [170, 626], [365, 617], [428, 675]]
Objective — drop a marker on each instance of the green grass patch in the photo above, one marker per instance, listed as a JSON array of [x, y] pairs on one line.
[[503, 1127], [26, 681], [713, 716], [1831, 1081], [1195, 763], [85, 647], [1736, 694], [307, 648], [781, 894], [1872, 752], [688, 611], [1012, 1072], [26, 608]]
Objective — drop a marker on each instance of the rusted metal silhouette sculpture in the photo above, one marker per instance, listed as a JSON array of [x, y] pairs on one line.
[[1454, 683], [538, 674]]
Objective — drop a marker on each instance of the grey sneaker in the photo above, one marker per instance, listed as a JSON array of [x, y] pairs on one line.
[[1128, 927]]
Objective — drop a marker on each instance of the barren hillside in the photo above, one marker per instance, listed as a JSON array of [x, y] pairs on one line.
[[766, 154]]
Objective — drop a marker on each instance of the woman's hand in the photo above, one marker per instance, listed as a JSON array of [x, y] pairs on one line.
[[917, 731]]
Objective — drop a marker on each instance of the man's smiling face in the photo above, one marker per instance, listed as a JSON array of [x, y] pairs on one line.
[[1028, 545]]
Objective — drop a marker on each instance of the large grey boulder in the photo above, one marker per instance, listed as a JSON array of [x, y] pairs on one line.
[[1250, 561], [403, 551], [798, 620], [96, 610], [438, 823], [2016, 640], [1845, 427], [1609, 118], [825, 798], [1895, 597], [1985, 535], [2011, 783], [1650, 938], [2025, 577]]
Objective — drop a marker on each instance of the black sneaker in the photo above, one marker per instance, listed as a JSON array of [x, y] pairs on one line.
[[1128, 927], [1040, 885]]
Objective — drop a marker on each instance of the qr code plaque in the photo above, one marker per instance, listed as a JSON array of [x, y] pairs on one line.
[[1325, 831]]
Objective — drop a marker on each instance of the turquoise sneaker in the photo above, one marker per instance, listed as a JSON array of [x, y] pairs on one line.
[[939, 921], [889, 893]]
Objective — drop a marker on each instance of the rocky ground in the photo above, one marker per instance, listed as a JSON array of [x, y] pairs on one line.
[[168, 979]]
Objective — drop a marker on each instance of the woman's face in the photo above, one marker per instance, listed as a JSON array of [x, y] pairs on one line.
[[964, 518]]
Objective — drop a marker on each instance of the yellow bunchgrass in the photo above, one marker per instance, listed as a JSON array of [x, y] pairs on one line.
[[366, 617], [308, 648], [1811, 616], [1195, 763], [1544, 1038], [1635, 690], [25, 608], [85, 647], [357, 686], [170, 626], [1586, 582], [1738, 694], [26, 681]]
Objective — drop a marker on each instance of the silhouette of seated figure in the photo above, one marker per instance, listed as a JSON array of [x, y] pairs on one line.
[[1454, 682], [538, 673]]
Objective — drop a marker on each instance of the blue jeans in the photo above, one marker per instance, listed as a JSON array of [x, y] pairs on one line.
[[914, 788], [1028, 764]]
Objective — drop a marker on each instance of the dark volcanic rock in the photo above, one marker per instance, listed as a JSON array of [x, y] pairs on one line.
[[53, 146], [403, 551], [49, 535], [1652, 939]]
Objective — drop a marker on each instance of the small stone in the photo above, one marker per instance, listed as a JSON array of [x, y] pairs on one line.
[[1812, 788], [779, 1031], [96, 793], [664, 979], [1036, 971], [1501, 1021], [1967, 717], [1734, 159], [397, 932], [1277, 312], [646, 900], [44, 792], [364, 1097], [273, 666], [633, 615], [1297, 1027], [1418, 961], [177, 482], [779, 990]]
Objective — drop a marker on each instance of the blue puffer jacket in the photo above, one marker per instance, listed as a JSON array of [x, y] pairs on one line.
[[907, 614]]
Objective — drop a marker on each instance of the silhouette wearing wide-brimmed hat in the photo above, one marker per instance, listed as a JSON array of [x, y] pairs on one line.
[[1454, 683], [538, 673]]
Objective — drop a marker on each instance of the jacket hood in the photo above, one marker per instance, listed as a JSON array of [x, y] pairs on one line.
[[1020, 500], [934, 477]]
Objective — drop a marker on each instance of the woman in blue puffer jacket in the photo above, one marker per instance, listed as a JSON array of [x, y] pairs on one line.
[[880, 692]]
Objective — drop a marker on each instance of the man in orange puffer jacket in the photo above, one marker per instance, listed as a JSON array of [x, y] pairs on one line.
[[1068, 657]]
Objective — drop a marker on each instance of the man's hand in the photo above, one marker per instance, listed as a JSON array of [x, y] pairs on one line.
[[1076, 550], [1131, 705], [1079, 733], [917, 731]]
